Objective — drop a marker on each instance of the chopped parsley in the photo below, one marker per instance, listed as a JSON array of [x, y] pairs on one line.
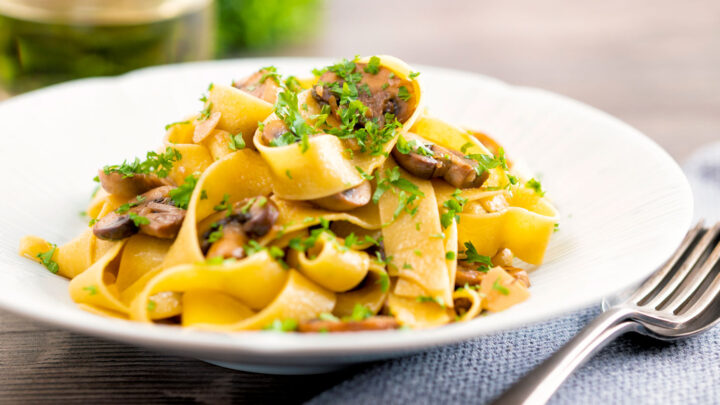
[[236, 142], [151, 305], [425, 298], [556, 227], [285, 325], [413, 75], [286, 108], [404, 94], [216, 235], [450, 255], [384, 282], [454, 207], [406, 191], [172, 124], [91, 289], [138, 219], [364, 175], [404, 146], [466, 146], [536, 186], [159, 164], [47, 260], [417, 253], [472, 256], [326, 316], [181, 195], [287, 173], [203, 195], [512, 179], [373, 66], [500, 288], [224, 204], [270, 73], [487, 162], [126, 207], [360, 313]]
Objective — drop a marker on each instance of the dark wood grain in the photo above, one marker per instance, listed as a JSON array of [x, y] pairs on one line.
[[40, 364], [652, 63]]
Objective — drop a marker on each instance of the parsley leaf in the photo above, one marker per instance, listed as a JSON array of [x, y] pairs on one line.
[[138, 219], [413, 75], [373, 67], [384, 282], [91, 289], [407, 191], [360, 312], [47, 260], [404, 94], [236, 142], [285, 325], [472, 256], [536, 186], [159, 164], [453, 207], [216, 235], [181, 195], [500, 288]]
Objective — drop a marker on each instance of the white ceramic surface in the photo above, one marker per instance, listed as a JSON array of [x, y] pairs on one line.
[[624, 203]]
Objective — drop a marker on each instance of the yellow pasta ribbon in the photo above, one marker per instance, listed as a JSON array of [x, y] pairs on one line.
[[240, 175], [240, 111], [331, 265]]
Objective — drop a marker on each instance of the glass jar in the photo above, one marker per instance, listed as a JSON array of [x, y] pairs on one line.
[[49, 41]]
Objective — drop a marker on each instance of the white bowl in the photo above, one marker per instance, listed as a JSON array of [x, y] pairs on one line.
[[624, 203]]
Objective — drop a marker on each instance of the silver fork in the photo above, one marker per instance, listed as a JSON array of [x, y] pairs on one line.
[[681, 299]]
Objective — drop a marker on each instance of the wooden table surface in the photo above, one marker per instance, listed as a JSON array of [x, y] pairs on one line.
[[653, 63]]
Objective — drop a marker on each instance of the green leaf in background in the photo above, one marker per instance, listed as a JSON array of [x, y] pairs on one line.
[[253, 24]]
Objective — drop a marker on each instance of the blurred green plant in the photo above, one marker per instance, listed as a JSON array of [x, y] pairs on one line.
[[250, 25]]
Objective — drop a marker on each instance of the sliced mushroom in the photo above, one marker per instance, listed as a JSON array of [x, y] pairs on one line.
[[521, 276], [467, 274], [231, 243], [249, 218], [266, 90], [258, 215], [130, 186], [348, 199], [449, 164], [379, 92], [273, 129], [461, 171], [503, 258], [423, 166], [379, 322], [114, 226], [164, 219]]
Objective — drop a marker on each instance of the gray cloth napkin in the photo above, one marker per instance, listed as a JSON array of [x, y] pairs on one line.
[[632, 370]]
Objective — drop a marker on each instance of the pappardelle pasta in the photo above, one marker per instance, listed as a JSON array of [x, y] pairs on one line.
[[330, 203]]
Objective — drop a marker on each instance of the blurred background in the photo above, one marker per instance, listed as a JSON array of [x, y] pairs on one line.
[[653, 63]]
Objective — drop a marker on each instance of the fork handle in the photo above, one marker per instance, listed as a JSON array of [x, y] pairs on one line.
[[541, 383]]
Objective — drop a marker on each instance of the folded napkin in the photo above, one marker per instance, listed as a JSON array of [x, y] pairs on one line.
[[632, 370]]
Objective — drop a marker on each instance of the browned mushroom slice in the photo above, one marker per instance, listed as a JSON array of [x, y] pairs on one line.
[[260, 84], [449, 164], [461, 172], [419, 165], [379, 322], [114, 226], [164, 219], [257, 215], [521, 276], [231, 242], [130, 186], [348, 199], [467, 273], [272, 130], [206, 126], [380, 92]]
